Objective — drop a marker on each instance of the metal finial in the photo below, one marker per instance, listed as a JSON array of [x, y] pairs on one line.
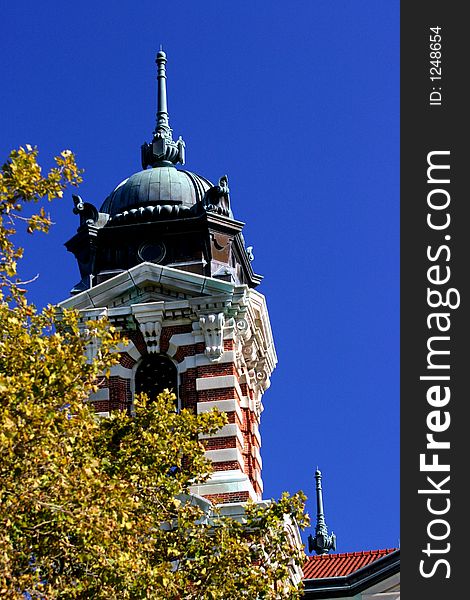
[[163, 124], [163, 150], [322, 543]]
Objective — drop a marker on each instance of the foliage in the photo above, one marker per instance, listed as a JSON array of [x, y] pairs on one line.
[[94, 508]]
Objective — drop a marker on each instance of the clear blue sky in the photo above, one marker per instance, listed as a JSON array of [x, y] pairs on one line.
[[299, 104]]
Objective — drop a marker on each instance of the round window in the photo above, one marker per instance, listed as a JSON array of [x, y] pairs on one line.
[[152, 251]]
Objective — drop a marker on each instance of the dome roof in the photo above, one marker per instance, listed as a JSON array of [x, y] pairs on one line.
[[162, 189]]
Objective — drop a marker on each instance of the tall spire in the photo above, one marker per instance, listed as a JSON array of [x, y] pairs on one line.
[[322, 543], [163, 151], [163, 125]]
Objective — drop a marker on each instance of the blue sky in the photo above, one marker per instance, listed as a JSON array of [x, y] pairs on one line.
[[299, 104]]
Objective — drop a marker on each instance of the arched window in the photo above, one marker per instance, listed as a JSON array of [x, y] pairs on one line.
[[154, 374]]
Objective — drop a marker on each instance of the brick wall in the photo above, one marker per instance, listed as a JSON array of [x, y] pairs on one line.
[[228, 497], [237, 449], [167, 332]]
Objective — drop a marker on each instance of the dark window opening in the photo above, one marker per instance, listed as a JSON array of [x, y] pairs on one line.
[[156, 373]]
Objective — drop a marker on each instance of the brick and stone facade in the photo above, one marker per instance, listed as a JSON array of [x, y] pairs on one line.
[[165, 260], [218, 336]]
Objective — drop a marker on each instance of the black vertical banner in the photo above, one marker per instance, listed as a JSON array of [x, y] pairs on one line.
[[435, 311]]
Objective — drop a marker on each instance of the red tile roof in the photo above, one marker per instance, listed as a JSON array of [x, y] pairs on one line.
[[340, 565]]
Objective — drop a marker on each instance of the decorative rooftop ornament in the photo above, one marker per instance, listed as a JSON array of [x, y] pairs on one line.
[[163, 150], [86, 211], [322, 543], [217, 199]]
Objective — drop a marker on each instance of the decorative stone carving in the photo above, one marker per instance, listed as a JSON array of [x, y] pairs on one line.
[[242, 333], [212, 326], [261, 376], [149, 316], [151, 330], [249, 351], [87, 212], [243, 328], [217, 198]]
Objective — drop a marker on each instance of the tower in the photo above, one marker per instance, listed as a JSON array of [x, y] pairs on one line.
[[165, 260]]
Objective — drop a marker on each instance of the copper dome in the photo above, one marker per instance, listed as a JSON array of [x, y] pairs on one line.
[[159, 192]]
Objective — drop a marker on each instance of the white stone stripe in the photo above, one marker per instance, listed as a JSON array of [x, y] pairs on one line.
[[226, 482], [225, 455], [246, 403], [257, 478], [257, 455], [229, 430], [223, 405], [199, 360], [211, 383], [183, 339], [215, 383], [130, 349], [120, 371], [101, 394]]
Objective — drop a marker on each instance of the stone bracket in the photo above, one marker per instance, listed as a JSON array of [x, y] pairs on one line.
[[212, 326], [149, 317]]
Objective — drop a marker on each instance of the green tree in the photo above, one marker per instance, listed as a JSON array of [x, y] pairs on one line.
[[100, 508]]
